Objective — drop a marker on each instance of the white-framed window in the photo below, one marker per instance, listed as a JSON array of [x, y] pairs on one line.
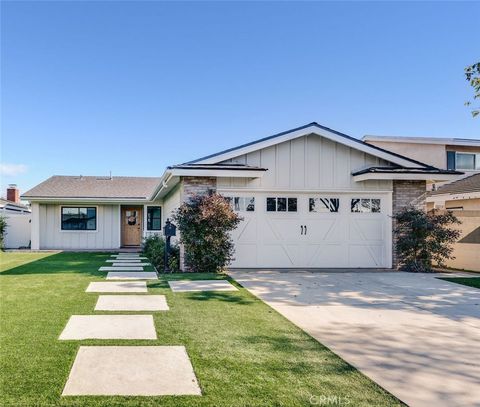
[[241, 203], [365, 205], [323, 205], [463, 161], [281, 204]]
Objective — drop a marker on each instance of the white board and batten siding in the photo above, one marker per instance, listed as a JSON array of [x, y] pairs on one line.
[[307, 168], [106, 236]]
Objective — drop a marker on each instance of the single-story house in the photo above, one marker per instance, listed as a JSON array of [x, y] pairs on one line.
[[309, 197], [18, 219], [462, 197]]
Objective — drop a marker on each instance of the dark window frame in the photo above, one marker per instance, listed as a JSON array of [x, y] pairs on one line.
[[290, 202], [151, 219], [86, 220]]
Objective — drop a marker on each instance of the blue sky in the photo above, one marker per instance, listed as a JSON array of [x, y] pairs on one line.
[[131, 87]]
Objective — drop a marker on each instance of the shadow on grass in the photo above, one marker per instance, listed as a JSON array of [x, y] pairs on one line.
[[219, 296], [63, 263]]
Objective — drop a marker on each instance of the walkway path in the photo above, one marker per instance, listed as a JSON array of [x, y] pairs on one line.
[[126, 370]]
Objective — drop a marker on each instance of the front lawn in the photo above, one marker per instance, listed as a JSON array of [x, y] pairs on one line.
[[243, 352], [470, 281]]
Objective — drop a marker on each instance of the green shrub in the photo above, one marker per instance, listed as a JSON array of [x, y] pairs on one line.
[[205, 223], [3, 230], [154, 249], [424, 238]]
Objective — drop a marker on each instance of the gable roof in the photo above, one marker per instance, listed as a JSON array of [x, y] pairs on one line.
[[310, 128], [80, 187], [462, 186]]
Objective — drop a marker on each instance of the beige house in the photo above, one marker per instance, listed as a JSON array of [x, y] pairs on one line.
[[461, 195]]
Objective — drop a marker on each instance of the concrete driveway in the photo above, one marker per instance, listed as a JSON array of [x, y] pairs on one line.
[[415, 335]]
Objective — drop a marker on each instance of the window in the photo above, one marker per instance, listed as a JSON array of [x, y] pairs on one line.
[[322, 205], [154, 218], [463, 161], [76, 218], [281, 204], [241, 204], [365, 205], [451, 160]]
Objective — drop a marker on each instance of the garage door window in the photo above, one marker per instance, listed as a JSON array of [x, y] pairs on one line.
[[281, 204], [365, 205], [241, 204], [323, 205]]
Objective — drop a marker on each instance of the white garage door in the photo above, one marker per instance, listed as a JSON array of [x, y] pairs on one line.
[[312, 230]]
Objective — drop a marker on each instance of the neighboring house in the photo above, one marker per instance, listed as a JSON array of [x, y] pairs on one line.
[[18, 219], [463, 198], [309, 197], [445, 153]]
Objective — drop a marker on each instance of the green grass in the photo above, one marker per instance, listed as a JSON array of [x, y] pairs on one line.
[[243, 352], [470, 281]]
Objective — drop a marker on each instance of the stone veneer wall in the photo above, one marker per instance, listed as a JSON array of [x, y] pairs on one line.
[[197, 186], [405, 193], [194, 186]]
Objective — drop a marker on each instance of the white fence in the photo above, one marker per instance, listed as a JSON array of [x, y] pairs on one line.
[[18, 231]]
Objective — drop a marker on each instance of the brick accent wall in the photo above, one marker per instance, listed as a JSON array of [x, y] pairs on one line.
[[405, 193], [198, 186], [194, 186]]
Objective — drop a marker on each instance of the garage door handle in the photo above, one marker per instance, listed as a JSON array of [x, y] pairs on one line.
[[305, 229], [301, 229]]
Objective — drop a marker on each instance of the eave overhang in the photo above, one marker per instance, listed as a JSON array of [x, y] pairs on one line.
[[88, 200], [405, 174]]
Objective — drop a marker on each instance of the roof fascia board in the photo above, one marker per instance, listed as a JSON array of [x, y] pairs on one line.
[[56, 199], [423, 140], [404, 177], [183, 172], [312, 129]]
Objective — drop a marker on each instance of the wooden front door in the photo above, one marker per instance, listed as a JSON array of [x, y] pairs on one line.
[[131, 226]]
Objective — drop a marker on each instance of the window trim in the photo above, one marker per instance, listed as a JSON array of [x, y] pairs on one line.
[[324, 197], [146, 218], [231, 200], [79, 230], [360, 201], [287, 198], [454, 155]]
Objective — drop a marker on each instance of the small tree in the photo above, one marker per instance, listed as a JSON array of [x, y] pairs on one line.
[[472, 75], [204, 223], [3, 230], [424, 238]]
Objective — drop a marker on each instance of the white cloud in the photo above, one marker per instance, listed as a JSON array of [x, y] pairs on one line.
[[12, 169]]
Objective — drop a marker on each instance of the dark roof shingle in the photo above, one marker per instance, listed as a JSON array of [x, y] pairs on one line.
[[60, 186]]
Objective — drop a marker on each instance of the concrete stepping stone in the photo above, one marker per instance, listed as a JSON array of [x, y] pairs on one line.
[[131, 257], [109, 327], [131, 303], [132, 275], [133, 261], [121, 268], [130, 264], [117, 287], [131, 371], [201, 285]]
